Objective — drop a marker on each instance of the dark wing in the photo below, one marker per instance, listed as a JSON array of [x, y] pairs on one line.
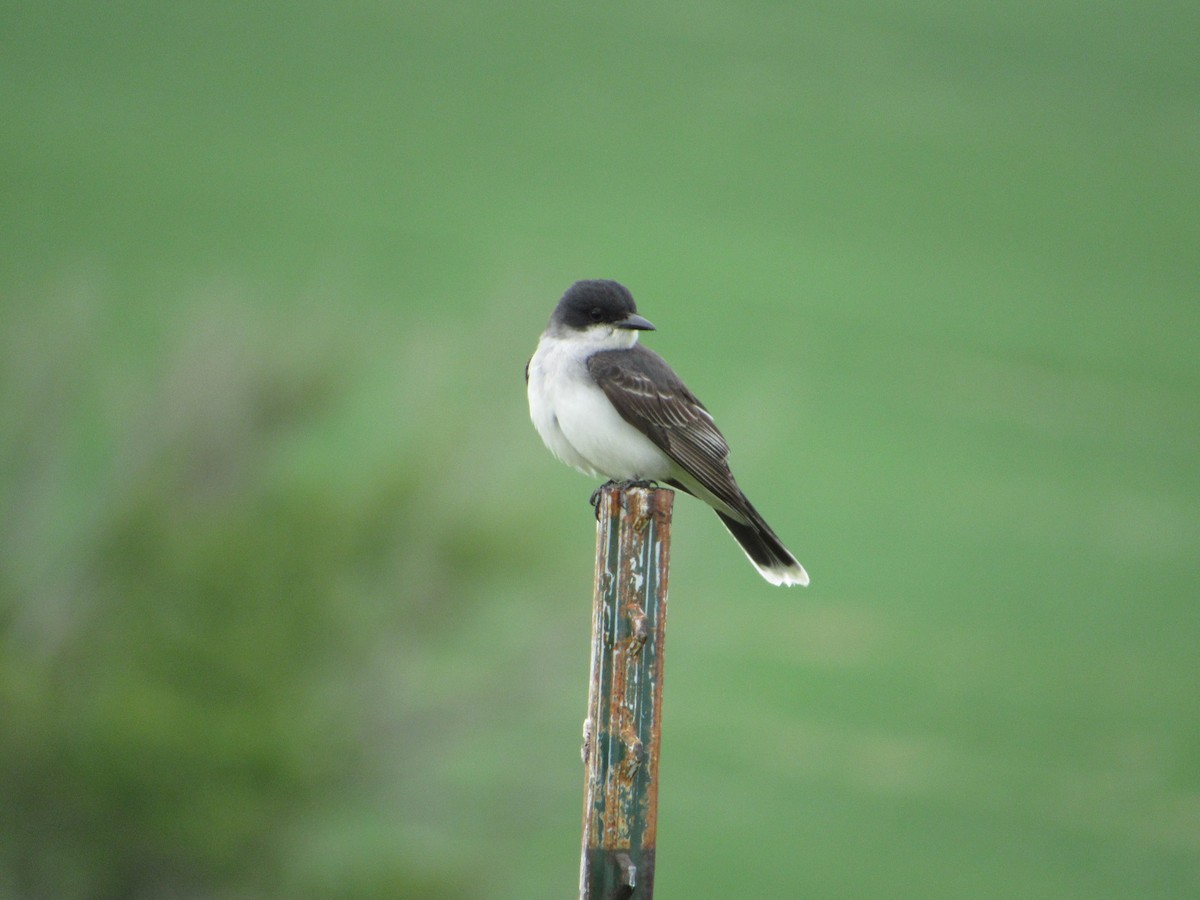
[[650, 397], [527, 362]]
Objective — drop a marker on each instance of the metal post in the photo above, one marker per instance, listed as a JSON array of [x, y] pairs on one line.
[[622, 729]]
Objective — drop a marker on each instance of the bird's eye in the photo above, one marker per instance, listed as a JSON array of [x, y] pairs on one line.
[[596, 314]]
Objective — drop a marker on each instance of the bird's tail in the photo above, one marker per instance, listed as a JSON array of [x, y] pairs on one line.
[[773, 560]]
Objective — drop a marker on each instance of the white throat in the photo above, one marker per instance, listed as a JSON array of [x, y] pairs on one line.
[[592, 339]]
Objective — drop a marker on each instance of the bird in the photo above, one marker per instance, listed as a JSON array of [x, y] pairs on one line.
[[609, 407]]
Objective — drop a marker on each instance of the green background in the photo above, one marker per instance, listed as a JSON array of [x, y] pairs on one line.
[[293, 602]]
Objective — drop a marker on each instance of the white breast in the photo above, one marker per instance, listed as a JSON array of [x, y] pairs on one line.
[[577, 422]]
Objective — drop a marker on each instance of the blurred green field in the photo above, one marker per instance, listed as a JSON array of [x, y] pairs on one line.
[[293, 603]]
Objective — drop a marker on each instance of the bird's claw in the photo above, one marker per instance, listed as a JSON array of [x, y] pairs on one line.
[[594, 500]]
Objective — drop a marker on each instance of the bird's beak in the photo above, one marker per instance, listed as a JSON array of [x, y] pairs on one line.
[[634, 322]]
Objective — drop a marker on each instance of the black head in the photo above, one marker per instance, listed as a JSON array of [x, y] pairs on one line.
[[599, 302]]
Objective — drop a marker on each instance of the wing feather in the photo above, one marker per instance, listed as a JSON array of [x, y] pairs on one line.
[[652, 398]]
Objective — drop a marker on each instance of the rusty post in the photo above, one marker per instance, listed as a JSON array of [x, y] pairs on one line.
[[622, 729]]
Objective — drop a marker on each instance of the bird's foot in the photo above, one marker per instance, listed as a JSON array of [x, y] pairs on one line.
[[620, 485], [646, 483], [594, 500]]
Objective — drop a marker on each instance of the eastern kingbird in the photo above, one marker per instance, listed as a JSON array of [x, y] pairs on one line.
[[609, 407]]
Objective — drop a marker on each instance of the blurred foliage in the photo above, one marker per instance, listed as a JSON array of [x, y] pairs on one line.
[[170, 685], [293, 603]]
